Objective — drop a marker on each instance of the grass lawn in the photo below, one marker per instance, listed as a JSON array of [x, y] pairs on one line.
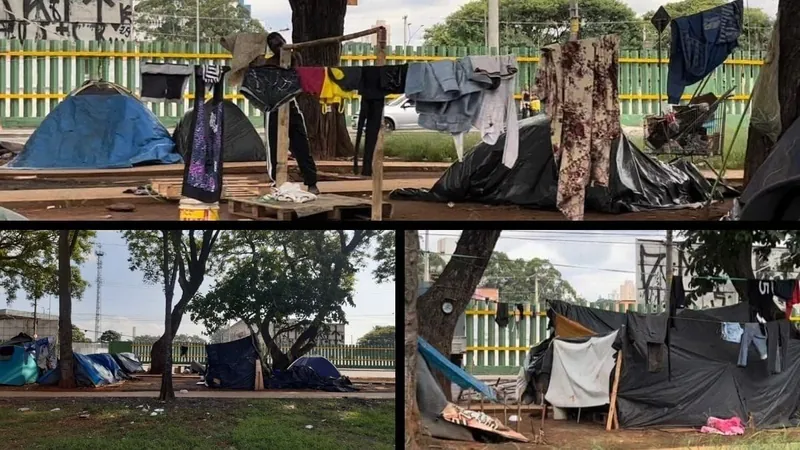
[[428, 146], [114, 424]]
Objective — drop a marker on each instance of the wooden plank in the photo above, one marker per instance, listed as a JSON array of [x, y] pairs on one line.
[[281, 170], [259, 167], [612, 408], [377, 158], [326, 207]]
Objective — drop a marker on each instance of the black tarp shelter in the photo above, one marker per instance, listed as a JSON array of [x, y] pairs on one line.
[[700, 376], [637, 181], [232, 365]]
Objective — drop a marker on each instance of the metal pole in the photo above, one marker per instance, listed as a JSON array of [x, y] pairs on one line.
[[669, 263], [197, 28], [574, 20], [405, 33], [494, 25], [660, 69]]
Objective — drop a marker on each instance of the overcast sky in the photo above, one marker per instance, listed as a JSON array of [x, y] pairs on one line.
[[128, 302], [601, 260], [277, 14]]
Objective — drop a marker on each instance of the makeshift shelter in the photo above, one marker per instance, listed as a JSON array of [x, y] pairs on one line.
[[453, 373], [128, 362], [240, 140], [320, 364], [232, 365], [98, 126], [774, 190], [680, 372], [93, 370], [638, 181], [17, 364]]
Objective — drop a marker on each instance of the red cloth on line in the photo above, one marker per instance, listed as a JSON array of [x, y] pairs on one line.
[[311, 79], [793, 301]]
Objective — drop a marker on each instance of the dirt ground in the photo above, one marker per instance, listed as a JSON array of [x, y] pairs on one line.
[[188, 382], [567, 434], [403, 210]]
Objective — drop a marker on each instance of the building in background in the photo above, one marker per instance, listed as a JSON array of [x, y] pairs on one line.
[[373, 38], [333, 334], [13, 322], [627, 291]]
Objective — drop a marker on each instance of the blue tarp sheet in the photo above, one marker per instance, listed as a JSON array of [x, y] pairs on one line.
[[95, 131], [17, 366], [453, 373], [320, 364], [90, 371], [232, 365]]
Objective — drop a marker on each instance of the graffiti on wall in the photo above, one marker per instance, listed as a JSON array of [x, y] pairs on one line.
[[80, 20]]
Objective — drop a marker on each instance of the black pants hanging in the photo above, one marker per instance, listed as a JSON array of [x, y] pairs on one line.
[[370, 120], [777, 345], [298, 144]]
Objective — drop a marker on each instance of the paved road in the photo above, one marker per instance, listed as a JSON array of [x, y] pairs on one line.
[[201, 394], [367, 373]]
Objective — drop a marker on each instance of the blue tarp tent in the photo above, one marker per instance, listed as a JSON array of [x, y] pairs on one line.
[[90, 371], [17, 365], [98, 126], [453, 373], [320, 364], [232, 365]]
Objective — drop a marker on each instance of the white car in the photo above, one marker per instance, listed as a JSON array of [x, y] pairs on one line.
[[398, 114]]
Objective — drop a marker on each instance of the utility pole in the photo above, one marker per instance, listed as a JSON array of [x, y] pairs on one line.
[[536, 290], [405, 33], [197, 17], [494, 26], [427, 258], [668, 272], [35, 304], [99, 253], [574, 20]]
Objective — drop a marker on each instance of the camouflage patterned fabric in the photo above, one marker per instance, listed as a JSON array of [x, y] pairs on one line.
[[578, 82]]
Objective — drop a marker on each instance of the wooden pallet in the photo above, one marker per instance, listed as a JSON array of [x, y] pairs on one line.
[[325, 207], [232, 187]]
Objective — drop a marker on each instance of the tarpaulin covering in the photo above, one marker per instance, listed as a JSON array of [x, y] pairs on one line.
[[581, 371], [453, 372], [17, 365], [240, 139], [128, 362], [637, 181], [431, 402], [703, 378], [305, 377], [774, 190], [320, 364], [232, 365], [93, 370], [94, 129]]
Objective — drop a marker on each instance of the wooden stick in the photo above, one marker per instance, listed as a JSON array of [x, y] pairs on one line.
[[481, 402], [335, 39], [377, 158], [519, 413], [612, 408], [281, 169], [259, 386]]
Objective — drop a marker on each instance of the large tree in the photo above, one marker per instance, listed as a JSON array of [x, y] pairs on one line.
[[379, 336], [714, 255], [67, 246], [79, 335], [110, 336], [193, 260], [412, 418], [171, 243], [282, 282], [535, 23], [755, 36], [455, 285], [312, 20], [29, 263], [175, 20], [516, 280]]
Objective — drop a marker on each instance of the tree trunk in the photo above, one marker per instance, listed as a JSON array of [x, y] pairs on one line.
[[789, 61], [456, 284], [159, 349], [412, 420], [279, 359], [317, 19], [169, 270], [66, 360], [758, 149]]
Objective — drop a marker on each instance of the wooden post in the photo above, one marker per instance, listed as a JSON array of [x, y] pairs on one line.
[[281, 166], [259, 376], [519, 412], [612, 408], [377, 159]]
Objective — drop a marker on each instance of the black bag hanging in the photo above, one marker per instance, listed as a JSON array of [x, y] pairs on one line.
[[502, 315]]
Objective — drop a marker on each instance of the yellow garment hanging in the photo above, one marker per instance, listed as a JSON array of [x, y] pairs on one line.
[[331, 91]]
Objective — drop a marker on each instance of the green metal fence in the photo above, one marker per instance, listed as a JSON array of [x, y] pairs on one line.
[[342, 356], [36, 75]]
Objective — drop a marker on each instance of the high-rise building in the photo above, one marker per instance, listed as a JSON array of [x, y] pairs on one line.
[[446, 247], [373, 38], [627, 291]]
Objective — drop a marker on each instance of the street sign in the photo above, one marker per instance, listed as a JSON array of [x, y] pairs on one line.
[[661, 19]]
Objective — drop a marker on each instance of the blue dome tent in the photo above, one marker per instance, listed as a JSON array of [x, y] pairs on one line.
[[101, 125], [320, 364]]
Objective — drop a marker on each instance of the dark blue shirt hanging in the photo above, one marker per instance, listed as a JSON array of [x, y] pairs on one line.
[[700, 43]]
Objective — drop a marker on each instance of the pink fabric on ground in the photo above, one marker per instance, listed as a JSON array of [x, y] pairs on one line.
[[725, 427]]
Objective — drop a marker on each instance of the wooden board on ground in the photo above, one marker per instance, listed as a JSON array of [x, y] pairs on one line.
[[325, 207], [232, 187]]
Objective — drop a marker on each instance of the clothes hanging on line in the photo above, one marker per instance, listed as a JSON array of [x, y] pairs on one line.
[[269, 87], [162, 82], [332, 93], [298, 144], [501, 318], [247, 50], [202, 176], [732, 332], [777, 345], [752, 334], [700, 43], [794, 300], [578, 83], [311, 79], [762, 292]]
